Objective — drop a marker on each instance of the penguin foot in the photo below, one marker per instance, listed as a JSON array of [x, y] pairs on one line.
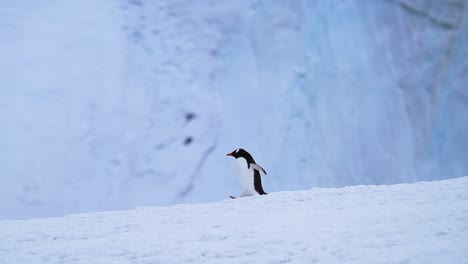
[[232, 197]]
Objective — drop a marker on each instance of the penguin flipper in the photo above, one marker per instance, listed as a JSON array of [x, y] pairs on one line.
[[257, 167]]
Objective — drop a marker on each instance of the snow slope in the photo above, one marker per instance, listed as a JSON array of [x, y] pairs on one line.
[[113, 104], [425, 222]]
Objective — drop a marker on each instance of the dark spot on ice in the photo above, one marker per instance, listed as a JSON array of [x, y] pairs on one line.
[[189, 116], [137, 36], [188, 140], [160, 146], [214, 53]]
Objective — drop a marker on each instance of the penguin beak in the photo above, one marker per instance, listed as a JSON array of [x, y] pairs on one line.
[[229, 154]]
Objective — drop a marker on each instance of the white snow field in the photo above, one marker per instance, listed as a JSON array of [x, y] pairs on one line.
[[425, 222]]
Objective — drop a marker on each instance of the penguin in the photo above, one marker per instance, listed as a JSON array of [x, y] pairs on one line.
[[248, 172]]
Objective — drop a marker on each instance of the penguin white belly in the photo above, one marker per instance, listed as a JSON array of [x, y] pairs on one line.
[[246, 177]]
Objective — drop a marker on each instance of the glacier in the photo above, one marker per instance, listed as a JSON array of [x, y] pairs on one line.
[[115, 104]]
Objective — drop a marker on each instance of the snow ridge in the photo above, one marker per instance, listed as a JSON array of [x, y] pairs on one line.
[[425, 222]]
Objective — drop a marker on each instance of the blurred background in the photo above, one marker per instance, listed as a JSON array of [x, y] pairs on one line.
[[116, 104]]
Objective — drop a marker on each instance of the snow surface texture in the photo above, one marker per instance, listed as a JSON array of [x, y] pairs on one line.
[[114, 104], [424, 222]]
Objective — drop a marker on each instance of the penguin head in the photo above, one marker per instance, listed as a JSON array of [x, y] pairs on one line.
[[239, 153]]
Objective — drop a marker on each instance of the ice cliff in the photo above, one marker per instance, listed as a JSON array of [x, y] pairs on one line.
[[115, 104]]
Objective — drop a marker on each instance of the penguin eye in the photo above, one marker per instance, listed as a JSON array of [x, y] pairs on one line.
[[237, 150]]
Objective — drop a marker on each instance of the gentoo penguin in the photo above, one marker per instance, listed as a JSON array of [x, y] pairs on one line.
[[248, 172]]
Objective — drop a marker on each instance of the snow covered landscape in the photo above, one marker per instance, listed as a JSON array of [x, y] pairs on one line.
[[116, 117], [425, 222]]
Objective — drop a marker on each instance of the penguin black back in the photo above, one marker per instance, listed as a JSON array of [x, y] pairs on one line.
[[258, 183]]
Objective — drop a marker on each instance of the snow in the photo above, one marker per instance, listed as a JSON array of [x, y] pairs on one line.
[[114, 104], [425, 222]]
